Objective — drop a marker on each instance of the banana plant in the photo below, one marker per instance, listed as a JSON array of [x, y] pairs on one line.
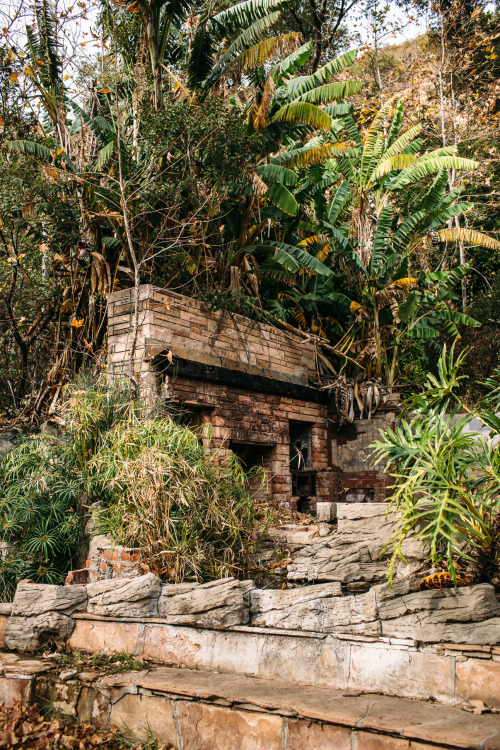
[[378, 241]]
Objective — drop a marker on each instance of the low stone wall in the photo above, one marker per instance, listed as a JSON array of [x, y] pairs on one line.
[[439, 644], [195, 710]]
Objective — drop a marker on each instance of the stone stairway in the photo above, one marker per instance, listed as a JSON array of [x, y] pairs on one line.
[[203, 710]]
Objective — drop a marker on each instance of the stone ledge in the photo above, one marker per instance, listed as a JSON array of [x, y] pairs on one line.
[[188, 707]]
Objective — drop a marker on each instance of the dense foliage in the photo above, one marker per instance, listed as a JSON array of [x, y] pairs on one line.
[[156, 485], [225, 151]]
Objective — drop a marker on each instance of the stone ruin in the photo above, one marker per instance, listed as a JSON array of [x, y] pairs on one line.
[[336, 660]]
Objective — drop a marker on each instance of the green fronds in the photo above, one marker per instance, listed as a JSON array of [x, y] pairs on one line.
[[276, 173], [403, 141], [323, 75], [372, 139], [30, 147], [307, 157], [400, 161], [424, 167], [293, 62], [470, 236], [305, 113], [396, 124], [330, 92]]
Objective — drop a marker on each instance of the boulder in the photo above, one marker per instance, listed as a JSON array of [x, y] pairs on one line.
[[320, 608], [216, 604], [37, 598], [125, 597], [353, 552], [30, 633]]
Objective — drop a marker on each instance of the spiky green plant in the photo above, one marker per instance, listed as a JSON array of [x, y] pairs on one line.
[[446, 489]]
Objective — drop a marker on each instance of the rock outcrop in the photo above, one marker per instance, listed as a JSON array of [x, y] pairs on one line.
[[353, 552], [42, 613]]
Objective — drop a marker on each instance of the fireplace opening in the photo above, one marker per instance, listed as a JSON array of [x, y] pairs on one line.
[[254, 456]]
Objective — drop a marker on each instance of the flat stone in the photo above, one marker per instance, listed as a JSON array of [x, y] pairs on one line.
[[468, 604], [15, 690], [476, 679], [28, 668], [204, 726], [30, 633], [399, 715], [353, 552], [416, 626], [125, 597], [33, 599], [217, 604], [302, 735], [67, 674], [464, 730], [108, 637], [366, 741], [143, 716]]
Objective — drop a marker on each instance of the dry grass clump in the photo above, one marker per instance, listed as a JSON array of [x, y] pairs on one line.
[[188, 509]]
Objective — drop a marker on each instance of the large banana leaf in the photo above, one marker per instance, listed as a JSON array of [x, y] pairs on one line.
[[428, 166], [293, 258], [289, 66], [300, 86], [330, 92], [400, 161], [404, 140], [282, 198], [303, 112], [471, 236], [276, 173], [259, 53]]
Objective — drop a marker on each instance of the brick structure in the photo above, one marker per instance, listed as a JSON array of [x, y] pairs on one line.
[[253, 383]]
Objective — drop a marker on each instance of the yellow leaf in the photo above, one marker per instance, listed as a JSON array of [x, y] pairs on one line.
[[58, 257], [77, 323], [13, 78], [405, 282], [132, 8], [169, 356], [355, 306], [105, 91]]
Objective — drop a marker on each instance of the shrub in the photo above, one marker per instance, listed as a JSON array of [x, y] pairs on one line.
[[186, 508]]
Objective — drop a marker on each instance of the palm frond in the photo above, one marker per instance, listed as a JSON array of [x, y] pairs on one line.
[[282, 199], [264, 50], [292, 63], [404, 140], [400, 161], [276, 173], [330, 92], [395, 124]]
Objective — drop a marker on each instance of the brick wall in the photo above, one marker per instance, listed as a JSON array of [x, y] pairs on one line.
[[356, 479], [242, 418], [195, 332]]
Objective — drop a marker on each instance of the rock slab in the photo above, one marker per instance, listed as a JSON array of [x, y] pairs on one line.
[[353, 552], [216, 604], [41, 613], [125, 597]]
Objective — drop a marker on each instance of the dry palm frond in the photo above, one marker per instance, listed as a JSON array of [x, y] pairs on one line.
[[261, 116]]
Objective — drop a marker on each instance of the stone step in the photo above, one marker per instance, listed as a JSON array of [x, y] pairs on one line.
[[202, 710]]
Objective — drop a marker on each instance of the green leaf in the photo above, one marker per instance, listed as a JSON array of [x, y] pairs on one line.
[[330, 92], [424, 167], [303, 112], [282, 198], [276, 173]]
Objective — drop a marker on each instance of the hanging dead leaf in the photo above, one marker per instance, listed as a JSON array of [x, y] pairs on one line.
[[14, 78]]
